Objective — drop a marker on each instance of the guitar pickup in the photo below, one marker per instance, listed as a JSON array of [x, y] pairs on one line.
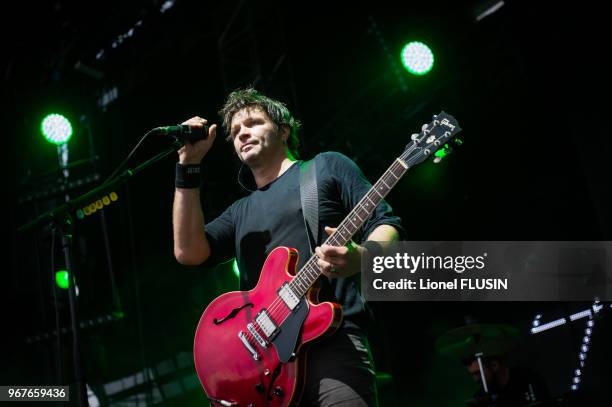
[[288, 296], [265, 323]]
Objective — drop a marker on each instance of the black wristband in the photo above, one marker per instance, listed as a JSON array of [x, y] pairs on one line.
[[188, 176]]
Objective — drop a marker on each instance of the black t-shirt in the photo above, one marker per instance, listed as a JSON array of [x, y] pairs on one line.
[[271, 216]]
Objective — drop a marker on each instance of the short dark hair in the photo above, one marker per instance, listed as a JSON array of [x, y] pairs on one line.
[[276, 111]]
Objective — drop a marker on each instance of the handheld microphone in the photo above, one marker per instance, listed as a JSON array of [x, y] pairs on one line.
[[184, 132]]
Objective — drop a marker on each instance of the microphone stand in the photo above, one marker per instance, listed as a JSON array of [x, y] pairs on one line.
[[62, 218]]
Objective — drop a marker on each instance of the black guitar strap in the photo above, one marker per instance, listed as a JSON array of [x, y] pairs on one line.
[[310, 201]]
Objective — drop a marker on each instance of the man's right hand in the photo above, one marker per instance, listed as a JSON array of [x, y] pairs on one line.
[[194, 153]]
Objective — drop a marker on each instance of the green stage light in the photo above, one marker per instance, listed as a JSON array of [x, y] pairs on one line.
[[443, 152], [61, 279], [235, 268], [56, 128], [417, 58]]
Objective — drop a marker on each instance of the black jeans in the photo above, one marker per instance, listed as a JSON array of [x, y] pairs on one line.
[[340, 372]]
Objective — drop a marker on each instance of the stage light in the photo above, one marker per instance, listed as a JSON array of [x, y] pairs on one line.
[[235, 268], [61, 279], [486, 8], [582, 355], [442, 152], [56, 128], [544, 327], [581, 314], [417, 58]]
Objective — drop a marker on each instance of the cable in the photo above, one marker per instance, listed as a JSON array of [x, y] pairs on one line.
[[127, 159]]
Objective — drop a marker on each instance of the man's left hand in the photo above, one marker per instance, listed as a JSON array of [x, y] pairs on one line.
[[343, 261]]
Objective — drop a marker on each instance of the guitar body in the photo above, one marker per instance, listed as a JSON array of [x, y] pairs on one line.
[[231, 362]]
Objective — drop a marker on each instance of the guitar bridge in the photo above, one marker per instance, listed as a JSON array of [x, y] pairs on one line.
[[257, 336]]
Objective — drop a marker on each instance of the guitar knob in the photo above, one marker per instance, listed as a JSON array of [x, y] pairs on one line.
[[278, 391], [259, 388]]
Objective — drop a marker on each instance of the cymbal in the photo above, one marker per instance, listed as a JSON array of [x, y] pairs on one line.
[[468, 340]]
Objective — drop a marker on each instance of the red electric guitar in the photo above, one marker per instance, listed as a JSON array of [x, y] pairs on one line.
[[249, 345]]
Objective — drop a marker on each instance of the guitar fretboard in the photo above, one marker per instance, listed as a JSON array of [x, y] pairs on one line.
[[309, 273]]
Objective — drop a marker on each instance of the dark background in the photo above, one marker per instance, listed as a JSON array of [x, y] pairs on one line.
[[528, 85]]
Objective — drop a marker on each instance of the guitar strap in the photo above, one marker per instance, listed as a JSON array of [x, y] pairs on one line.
[[309, 195]]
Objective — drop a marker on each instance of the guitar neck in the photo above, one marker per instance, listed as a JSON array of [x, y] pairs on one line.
[[309, 273]]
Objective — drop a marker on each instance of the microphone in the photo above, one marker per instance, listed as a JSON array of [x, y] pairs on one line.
[[183, 132]]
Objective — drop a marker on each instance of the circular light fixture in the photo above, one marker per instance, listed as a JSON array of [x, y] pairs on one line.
[[56, 128], [417, 58]]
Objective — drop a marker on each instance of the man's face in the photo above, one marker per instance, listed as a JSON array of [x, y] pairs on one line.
[[474, 371], [255, 136]]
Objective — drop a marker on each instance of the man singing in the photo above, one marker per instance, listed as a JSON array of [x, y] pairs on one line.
[[340, 369]]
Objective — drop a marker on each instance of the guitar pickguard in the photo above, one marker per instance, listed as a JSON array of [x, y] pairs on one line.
[[286, 339]]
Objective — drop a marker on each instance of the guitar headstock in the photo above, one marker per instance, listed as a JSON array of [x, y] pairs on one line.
[[431, 138]]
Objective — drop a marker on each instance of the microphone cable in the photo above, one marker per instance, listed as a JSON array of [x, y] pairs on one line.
[[127, 159]]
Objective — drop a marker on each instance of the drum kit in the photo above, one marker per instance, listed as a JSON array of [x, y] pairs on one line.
[[479, 342]]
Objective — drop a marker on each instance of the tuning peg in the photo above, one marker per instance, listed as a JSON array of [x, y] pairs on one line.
[[414, 136], [424, 127], [436, 160]]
